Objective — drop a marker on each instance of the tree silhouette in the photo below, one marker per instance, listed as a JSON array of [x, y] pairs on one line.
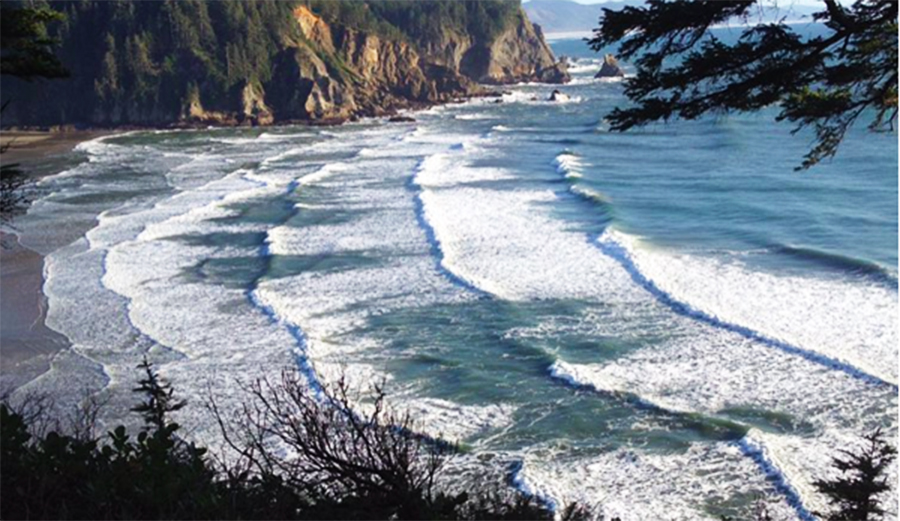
[[854, 495], [160, 398], [823, 82]]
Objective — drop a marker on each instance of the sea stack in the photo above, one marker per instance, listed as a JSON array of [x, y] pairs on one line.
[[556, 95], [610, 68]]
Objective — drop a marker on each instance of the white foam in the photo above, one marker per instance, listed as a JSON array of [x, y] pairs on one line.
[[635, 485], [505, 243], [719, 375], [534, 98], [848, 320], [474, 117], [447, 169], [569, 165], [584, 65]]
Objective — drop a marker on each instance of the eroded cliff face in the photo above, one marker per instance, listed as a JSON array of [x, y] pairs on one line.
[[335, 72], [321, 71], [518, 54]]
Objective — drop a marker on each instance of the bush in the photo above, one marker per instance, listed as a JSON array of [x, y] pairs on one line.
[[343, 464]]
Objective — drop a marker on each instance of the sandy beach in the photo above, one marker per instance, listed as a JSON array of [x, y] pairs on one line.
[[26, 344], [27, 146]]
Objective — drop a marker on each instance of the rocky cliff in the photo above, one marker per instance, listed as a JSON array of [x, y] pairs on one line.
[[191, 62]]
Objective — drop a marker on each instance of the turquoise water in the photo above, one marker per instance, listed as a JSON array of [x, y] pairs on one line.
[[664, 324]]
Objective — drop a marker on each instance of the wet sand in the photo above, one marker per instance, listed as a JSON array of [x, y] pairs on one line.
[[27, 345], [26, 146]]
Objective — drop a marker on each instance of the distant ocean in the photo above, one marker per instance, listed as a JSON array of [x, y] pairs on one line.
[[668, 323]]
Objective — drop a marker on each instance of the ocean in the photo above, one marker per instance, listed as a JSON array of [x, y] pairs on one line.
[[668, 323]]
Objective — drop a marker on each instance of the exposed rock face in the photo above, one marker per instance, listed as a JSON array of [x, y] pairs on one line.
[[518, 54], [319, 70], [610, 68], [371, 75]]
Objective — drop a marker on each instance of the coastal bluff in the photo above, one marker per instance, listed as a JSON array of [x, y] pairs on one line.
[[197, 63]]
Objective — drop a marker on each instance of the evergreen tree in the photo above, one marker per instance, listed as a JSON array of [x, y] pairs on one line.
[[25, 53], [854, 495], [824, 82], [160, 399], [25, 49]]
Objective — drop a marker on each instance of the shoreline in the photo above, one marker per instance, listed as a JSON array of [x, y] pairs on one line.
[[27, 344], [26, 147], [45, 139]]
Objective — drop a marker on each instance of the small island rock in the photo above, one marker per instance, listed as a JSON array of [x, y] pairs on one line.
[[610, 68], [556, 95]]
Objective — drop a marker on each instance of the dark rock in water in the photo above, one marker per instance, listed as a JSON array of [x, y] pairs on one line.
[[558, 96], [556, 73], [500, 100], [401, 119], [610, 68]]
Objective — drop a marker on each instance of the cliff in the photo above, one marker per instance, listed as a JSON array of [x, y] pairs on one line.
[[192, 62]]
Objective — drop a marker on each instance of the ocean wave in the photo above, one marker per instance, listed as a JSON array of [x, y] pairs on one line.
[[633, 484], [474, 117], [585, 65], [569, 164], [670, 380], [529, 98], [592, 196], [856, 334], [842, 262]]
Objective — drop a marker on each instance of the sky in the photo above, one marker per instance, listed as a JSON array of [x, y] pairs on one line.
[[781, 3]]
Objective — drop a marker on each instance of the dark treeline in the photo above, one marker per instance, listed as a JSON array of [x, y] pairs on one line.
[[344, 464]]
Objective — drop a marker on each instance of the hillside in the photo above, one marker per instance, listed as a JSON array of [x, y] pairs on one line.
[[193, 62]]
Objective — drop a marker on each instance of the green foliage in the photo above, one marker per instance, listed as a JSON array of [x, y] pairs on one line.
[[14, 197], [160, 398], [483, 19], [854, 493], [25, 49], [132, 62], [26, 52], [824, 82]]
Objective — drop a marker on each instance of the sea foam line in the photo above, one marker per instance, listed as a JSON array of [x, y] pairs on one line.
[[750, 447], [301, 342], [610, 246], [434, 243], [760, 454]]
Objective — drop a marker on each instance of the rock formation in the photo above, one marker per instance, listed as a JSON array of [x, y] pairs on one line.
[[556, 95], [610, 68]]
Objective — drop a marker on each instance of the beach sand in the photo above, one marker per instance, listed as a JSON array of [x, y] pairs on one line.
[[26, 146], [26, 344]]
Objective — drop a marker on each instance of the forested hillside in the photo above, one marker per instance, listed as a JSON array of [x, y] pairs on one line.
[[259, 62]]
